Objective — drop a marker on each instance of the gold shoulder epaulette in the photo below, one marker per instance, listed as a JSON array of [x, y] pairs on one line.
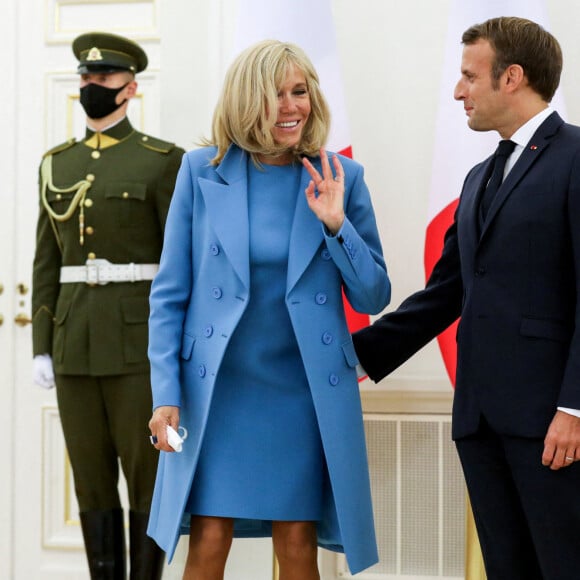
[[155, 144], [61, 147]]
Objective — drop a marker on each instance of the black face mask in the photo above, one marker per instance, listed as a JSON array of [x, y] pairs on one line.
[[98, 101]]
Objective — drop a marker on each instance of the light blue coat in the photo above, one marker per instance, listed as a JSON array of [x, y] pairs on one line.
[[197, 299]]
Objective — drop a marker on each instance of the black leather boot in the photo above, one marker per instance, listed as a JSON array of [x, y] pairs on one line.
[[104, 535], [146, 556]]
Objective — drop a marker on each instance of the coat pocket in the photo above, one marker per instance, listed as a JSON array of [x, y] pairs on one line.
[[349, 353], [135, 312], [59, 201], [545, 328], [187, 343], [128, 202]]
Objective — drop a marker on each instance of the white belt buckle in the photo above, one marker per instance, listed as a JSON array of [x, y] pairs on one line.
[[94, 270]]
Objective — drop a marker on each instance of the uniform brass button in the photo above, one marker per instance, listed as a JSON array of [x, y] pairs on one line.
[[145, 138], [125, 194], [58, 196], [89, 230], [92, 256], [88, 203], [95, 154], [90, 177]]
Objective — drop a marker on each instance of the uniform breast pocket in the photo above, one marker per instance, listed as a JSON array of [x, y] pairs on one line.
[[59, 202], [127, 200]]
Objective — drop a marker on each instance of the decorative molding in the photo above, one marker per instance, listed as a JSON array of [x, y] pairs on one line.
[[66, 19], [60, 526], [60, 522]]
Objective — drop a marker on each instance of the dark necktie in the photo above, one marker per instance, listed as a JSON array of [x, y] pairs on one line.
[[503, 151]]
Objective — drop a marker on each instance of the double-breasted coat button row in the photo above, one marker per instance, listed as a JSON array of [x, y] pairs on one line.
[[321, 298], [326, 338]]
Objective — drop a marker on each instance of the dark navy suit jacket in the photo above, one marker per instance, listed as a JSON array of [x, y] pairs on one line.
[[515, 284]]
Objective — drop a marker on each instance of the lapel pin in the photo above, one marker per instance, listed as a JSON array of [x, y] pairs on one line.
[[533, 147]]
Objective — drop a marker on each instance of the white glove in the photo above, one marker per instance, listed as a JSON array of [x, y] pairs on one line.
[[42, 372]]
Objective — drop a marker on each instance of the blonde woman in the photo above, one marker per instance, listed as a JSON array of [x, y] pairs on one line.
[[249, 346]]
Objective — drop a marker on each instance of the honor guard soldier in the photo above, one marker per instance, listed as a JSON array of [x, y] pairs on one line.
[[103, 205]]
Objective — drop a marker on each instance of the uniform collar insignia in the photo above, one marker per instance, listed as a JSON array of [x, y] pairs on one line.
[[100, 141]]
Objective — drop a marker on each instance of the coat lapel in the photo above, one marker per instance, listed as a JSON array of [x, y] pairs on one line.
[[530, 154], [306, 235], [227, 208]]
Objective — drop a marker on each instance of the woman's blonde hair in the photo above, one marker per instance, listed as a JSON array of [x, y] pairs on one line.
[[247, 108]]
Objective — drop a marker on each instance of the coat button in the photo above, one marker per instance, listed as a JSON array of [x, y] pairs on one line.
[[327, 338], [480, 272], [208, 331], [88, 203], [333, 379], [325, 254], [95, 154], [201, 371], [89, 230], [321, 298], [216, 292], [214, 249]]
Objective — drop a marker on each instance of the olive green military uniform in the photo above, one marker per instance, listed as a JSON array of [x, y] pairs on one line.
[[103, 198], [101, 330]]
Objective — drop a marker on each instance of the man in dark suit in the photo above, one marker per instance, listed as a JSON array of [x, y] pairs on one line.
[[103, 205], [510, 268]]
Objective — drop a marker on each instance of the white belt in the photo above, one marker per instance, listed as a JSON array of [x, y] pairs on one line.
[[102, 272]]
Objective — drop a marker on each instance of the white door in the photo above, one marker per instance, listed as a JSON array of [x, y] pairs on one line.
[[40, 536]]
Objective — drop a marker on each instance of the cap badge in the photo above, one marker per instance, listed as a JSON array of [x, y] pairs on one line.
[[94, 54]]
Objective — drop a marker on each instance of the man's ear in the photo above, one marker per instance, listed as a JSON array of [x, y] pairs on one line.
[[513, 77], [131, 89]]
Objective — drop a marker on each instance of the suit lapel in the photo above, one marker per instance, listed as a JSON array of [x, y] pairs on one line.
[[306, 235], [532, 151], [470, 232], [227, 208]]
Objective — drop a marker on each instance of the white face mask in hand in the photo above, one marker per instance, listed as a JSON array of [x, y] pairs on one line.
[[174, 439], [42, 371]]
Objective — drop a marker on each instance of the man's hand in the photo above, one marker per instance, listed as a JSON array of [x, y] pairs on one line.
[[562, 442], [42, 371]]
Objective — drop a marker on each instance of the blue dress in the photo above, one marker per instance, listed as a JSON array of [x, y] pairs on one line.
[[262, 434]]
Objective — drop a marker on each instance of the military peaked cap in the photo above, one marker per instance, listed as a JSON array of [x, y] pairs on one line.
[[102, 52]]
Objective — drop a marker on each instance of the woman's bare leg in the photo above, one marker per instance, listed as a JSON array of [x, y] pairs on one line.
[[296, 550], [210, 541]]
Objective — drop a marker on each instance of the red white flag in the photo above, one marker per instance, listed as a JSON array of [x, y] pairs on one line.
[[310, 25], [458, 148]]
